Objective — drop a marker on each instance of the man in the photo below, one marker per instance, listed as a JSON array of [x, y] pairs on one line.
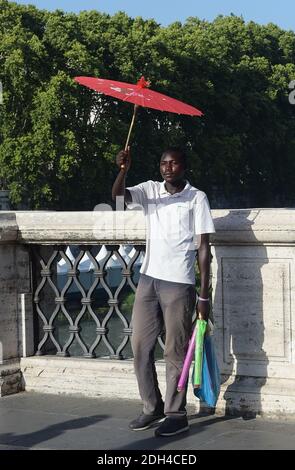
[[178, 219]]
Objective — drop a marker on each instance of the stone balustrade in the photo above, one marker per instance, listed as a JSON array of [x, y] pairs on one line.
[[253, 275]]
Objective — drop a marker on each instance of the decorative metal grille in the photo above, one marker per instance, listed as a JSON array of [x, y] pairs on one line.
[[83, 297]]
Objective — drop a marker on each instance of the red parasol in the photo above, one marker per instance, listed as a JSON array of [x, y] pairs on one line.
[[140, 95]]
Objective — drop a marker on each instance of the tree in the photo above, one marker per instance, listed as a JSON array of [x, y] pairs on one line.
[[58, 140]]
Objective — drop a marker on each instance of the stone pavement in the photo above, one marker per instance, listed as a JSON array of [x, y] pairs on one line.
[[37, 421]]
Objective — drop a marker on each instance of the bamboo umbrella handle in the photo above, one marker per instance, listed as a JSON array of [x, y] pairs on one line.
[[130, 130]]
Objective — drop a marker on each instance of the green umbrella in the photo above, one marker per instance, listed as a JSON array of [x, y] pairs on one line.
[[200, 333]]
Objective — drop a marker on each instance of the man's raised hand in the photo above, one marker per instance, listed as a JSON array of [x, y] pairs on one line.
[[123, 160]]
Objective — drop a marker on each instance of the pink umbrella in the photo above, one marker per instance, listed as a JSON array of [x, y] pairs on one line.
[[187, 362]]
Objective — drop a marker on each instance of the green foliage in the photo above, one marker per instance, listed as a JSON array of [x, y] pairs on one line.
[[58, 140]]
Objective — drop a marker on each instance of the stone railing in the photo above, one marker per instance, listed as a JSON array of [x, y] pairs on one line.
[[253, 306]]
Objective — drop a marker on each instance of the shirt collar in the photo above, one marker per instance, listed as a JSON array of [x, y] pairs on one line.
[[163, 190]]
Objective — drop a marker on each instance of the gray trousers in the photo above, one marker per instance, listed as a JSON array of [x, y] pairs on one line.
[[161, 304]]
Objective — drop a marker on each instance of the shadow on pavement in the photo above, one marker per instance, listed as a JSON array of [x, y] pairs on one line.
[[32, 439], [154, 443]]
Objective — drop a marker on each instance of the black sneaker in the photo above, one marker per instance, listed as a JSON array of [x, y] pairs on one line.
[[145, 421], [172, 426]]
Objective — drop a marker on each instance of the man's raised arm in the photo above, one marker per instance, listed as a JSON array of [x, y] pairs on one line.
[[122, 159]]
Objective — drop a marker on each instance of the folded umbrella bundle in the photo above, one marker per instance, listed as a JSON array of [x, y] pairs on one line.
[[206, 375], [195, 348]]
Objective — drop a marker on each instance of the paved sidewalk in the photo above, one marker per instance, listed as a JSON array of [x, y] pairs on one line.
[[35, 421]]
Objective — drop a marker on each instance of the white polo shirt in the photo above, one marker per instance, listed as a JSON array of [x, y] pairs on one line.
[[174, 225]]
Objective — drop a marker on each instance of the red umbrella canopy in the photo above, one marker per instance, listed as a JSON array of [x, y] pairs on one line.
[[138, 94]]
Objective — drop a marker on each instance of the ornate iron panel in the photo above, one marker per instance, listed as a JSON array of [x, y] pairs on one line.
[[83, 298]]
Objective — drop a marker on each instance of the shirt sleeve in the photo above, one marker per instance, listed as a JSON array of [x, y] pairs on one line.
[[203, 222], [138, 195]]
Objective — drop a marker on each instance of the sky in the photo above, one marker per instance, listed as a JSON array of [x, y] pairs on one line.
[[165, 12]]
